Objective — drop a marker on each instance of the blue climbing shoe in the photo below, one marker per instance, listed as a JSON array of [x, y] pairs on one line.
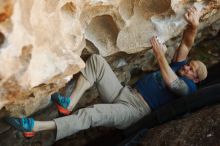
[[61, 103], [24, 125]]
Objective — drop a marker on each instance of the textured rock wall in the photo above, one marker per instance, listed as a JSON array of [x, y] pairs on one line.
[[41, 41]]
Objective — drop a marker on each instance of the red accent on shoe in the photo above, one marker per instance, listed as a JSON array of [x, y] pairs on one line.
[[28, 134], [62, 110]]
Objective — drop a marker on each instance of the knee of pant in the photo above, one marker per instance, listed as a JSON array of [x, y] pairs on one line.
[[97, 59]]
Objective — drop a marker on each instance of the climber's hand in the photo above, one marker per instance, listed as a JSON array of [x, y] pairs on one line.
[[192, 16], [158, 47]]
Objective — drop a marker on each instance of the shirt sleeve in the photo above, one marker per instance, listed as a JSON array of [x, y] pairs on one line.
[[179, 87]]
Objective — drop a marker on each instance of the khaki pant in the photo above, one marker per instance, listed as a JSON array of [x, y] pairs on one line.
[[122, 108]]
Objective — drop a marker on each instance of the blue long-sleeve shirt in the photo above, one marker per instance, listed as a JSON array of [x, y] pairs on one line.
[[152, 87]]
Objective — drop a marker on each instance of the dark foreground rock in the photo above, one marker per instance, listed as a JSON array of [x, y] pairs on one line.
[[198, 129]]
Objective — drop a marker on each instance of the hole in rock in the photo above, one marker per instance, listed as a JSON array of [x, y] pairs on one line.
[[102, 32]]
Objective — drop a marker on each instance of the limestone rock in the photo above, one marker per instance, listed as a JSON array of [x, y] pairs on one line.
[[43, 40]]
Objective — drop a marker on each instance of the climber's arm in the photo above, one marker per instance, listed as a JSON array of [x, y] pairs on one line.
[[167, 73], [170, 78], [192, 17]]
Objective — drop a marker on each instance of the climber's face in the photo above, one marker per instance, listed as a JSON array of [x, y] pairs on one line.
[[190, 71]]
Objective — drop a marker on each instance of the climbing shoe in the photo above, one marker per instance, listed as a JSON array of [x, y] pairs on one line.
[[61, 103], [24, 125]]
